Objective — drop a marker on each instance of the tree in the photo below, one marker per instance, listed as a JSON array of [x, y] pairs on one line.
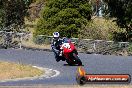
[[14, 11], [121, 10], [65, 16], [96, 7], [2, 12]]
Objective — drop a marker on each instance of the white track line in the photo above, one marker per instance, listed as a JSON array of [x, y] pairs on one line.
[[48, 73]]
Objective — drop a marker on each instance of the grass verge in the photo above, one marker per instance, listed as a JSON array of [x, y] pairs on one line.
[[31, 44], [13, 70]]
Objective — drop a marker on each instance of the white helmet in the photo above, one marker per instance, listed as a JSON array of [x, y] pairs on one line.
[[56, 34]]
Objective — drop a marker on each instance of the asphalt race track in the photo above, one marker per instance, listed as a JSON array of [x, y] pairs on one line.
[[94, 64]]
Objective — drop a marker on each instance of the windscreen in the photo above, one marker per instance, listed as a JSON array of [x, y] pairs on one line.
[[66, 40]]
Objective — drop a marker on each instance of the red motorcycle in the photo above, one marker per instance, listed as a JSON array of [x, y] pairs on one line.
[[69, 53]]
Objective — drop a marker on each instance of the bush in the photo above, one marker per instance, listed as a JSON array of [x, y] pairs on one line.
[[100, 28], [130, 47], [64, 16]]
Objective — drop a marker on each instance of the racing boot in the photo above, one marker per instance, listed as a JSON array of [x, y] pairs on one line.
[[57, 58]]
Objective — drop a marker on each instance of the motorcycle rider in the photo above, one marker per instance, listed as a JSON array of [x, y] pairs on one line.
[[56, 42]]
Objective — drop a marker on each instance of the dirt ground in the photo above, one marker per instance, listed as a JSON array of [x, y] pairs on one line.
[[70, 86]]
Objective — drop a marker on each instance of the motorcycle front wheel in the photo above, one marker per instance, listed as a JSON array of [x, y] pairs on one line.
[[77, 60]]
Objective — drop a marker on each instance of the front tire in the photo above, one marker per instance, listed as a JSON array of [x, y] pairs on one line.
[[69, 63], [77, 60]]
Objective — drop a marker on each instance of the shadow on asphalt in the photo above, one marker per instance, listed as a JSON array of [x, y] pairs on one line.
[[71, 65]]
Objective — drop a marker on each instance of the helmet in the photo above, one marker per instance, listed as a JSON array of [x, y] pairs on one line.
[[56, 34]]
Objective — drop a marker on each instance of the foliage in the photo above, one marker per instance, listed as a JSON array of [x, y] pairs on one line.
[[121, 10], [1, 17], [14, 11], [38, 1], [96, 6], [130, 47], [34, 9], [65, 16], [2, 12], [100, 28]]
